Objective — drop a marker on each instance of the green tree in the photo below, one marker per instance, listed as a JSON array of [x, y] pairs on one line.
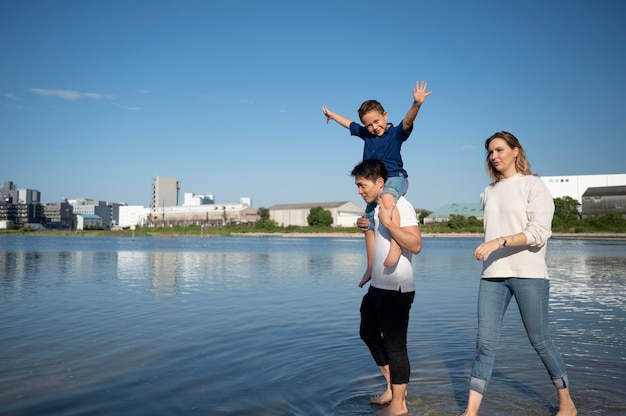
[[319, 217], [456, 222], [565, 213], [425, 213], [263, 213]]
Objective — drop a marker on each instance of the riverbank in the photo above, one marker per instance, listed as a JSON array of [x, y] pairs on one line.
[[559, 236], [208, 233]]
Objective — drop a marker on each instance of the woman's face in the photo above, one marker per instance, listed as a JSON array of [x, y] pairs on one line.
[[502, 157]]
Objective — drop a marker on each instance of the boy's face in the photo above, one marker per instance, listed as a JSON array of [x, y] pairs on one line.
[[375, 122], [370, 191]]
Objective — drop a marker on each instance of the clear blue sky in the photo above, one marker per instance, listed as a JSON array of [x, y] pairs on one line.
[[97, 98]]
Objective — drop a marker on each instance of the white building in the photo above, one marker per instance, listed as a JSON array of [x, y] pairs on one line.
[[133, 215], [576, 185], [344, 213], [190, 199], [85, 221]]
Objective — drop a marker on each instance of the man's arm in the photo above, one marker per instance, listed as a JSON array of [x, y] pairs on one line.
[[341, 120], [419, 95], [409, 238]]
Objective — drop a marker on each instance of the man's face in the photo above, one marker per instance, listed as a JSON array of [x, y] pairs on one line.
[[375, 122], [370, 191]]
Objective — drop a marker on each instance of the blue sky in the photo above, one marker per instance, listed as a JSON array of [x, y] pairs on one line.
[[97, 98]]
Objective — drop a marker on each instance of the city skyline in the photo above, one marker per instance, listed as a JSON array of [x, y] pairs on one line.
[[97, 99]]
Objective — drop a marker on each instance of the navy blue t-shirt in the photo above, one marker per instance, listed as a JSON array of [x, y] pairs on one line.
[[385, 148]]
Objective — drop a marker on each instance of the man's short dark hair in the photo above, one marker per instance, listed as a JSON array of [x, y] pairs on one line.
[[370, 169]]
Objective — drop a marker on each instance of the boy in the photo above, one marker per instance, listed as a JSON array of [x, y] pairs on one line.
[[383, 141]]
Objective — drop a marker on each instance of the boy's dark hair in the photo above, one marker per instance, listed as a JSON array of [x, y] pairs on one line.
[[370, 105], [370, 169]]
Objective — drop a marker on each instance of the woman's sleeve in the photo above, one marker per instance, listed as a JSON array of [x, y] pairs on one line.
[[539, 211]]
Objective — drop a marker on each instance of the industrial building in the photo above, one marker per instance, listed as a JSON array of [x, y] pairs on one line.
[[603, 200], [165, 192], [19, 206], [576, 185], [344, 213]]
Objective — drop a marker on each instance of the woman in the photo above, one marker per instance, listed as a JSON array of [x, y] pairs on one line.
[[518, 216]]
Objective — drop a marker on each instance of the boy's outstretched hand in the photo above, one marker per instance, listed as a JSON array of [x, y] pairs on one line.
[[419, 93], [327, 114]]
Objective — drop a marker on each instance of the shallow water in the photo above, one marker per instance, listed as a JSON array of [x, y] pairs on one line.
[[269, 326]]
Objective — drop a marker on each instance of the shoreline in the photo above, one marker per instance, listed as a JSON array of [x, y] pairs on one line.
[[555, 236], [606, 236]]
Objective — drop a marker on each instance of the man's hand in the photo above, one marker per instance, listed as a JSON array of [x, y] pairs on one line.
[[362, 223]]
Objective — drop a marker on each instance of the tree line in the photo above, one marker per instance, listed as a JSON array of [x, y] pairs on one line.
[[567, 219]]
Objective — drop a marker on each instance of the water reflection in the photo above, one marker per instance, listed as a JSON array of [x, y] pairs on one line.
[[270, 326]]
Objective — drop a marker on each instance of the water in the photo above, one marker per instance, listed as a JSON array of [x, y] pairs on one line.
[[269, 326]]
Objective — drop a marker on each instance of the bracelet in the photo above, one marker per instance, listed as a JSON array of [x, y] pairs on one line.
[[503, 244]]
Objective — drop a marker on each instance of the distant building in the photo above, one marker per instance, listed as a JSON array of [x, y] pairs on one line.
[[190, 199], [575, 186], [59, 215], [88, 221], [603, 200], [20, 206], [213, 215], [93, 207], [165, 192], [344, 213], [133, 215], [444, 213]]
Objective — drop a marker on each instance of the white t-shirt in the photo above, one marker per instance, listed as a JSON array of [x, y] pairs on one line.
[[399, 277], [516, 204]]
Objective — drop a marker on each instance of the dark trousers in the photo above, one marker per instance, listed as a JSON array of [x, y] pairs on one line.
[[384, 325]]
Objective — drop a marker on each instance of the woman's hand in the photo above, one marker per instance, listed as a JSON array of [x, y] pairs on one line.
[[484, 250]]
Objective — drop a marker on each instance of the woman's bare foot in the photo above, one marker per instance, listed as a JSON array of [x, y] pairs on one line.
[[567, 409], [566, 405]]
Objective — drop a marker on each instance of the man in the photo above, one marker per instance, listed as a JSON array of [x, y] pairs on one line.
[[386, 306]]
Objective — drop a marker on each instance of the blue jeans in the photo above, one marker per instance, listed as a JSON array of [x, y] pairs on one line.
[[532, 299], [396, 186]]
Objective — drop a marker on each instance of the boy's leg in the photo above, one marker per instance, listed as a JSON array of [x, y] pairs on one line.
[[370, 236], [389, 202], [369, 249]]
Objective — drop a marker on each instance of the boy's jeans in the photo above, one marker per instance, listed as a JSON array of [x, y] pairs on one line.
[[396, 186]]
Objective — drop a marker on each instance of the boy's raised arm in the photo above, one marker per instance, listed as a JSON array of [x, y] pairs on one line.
[[338, 118], [419, 95]]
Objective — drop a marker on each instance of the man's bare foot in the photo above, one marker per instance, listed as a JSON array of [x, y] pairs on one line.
[[393, 411], [393, 256], [382, 399]]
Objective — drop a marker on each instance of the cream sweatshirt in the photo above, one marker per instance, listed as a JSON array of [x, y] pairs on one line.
[[520, 203]]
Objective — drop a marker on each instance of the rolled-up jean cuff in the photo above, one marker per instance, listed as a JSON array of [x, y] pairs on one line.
[[478, 385], [561, 382]]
